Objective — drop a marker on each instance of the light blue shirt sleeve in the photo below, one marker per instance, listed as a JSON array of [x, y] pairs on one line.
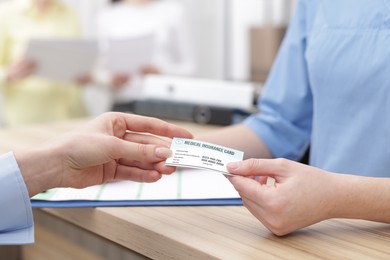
[[16, 220], [285, 118]]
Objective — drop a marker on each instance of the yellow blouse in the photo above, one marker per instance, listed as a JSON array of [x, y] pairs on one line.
[[35, 99]]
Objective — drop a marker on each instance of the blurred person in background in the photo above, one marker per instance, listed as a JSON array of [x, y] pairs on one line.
[[27, 98], [165, 20]]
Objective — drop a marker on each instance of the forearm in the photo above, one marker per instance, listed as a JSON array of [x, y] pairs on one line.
[[359, 197], [39, 168], [238, 137]]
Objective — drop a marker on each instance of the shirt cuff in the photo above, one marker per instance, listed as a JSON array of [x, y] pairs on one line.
[[282, 140], [16, 220]]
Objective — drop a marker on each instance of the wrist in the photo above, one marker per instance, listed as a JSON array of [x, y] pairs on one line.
[[359, 197], [340, 195], [40, 168]]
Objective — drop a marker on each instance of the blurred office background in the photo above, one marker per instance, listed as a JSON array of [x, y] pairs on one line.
[[231, 39], [220, 30]]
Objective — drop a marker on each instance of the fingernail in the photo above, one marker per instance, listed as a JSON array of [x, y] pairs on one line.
[[163, 152], [234, 165]]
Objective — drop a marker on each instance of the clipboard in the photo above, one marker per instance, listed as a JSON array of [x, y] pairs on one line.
[[187, 187]]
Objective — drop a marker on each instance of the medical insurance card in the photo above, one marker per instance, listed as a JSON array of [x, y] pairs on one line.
[[198, 154]]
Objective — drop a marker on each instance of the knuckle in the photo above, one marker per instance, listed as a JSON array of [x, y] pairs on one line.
[[278, 226], [252, 163], [278, 223], [151, 176], [279, 230], [142, 149], [282, 162]]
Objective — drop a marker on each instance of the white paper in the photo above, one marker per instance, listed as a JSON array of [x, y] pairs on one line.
[[129, 55], [203, 155], [63, 60], [183, 184]]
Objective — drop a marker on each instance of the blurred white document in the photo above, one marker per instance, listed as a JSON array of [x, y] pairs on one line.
[[129, 55], [63, 60]]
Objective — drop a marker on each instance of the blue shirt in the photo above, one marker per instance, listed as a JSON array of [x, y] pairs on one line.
[[16, 221], [330, 87]]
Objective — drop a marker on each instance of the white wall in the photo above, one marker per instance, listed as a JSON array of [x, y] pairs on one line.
[[243, 15], [207, 33]]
